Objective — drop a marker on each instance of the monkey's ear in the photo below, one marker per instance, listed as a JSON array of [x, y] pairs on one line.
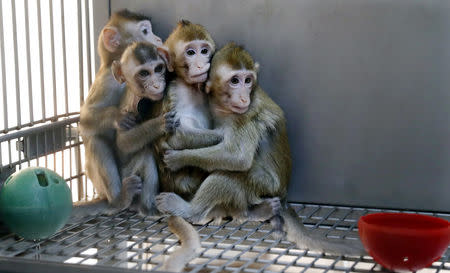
[[208, 87], [111, 38], [164, 53], [256, 67], [117, 71]]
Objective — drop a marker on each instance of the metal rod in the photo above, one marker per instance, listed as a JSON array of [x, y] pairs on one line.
[[63, 141], [34, 130], [16, 62], [70, 157], [9, 153], [63, 37], [41, 61], [54, 150], [1, 162], [39, 121], [52, 47], [80, 52], [20, 157], [2, 45], [36, 149], [78, 168], [88, 42], [45, 149], [30, 84]]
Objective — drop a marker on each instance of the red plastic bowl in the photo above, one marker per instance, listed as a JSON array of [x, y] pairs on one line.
[[401, 241]]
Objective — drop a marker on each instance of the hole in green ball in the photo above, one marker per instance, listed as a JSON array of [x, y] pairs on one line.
[[56, 181], [42, 178]]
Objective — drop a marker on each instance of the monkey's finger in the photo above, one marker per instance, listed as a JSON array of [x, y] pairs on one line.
[[170, 114], [131, 117], [130, 124]]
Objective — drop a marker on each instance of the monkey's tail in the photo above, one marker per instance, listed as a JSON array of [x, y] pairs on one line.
[[190, 244], [304, 238], [89, 208]]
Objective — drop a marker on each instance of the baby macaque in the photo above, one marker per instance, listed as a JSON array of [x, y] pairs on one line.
[[143, 68], [190, 47], [250, 169], [101, 110]]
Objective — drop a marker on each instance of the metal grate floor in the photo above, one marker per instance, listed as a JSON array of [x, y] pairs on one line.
[[129, 241]]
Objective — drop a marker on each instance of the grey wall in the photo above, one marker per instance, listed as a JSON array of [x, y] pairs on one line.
[[364, 84]]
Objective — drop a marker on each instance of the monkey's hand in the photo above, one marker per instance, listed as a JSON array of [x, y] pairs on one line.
[[173, 160], [126, 121], [171, 122]]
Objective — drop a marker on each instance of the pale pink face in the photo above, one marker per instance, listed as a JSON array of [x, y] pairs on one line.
[[144, 33], [197, 55], [143, 68], [237, 86]]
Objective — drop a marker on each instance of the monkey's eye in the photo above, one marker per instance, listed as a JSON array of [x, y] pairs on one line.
[[204, 51], [144, 73], [145, 31], [190, 52], [159, 68], [248, 80], [234, 80]]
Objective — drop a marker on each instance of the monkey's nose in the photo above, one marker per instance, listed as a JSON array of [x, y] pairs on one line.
[[243, 100], [156, 86]]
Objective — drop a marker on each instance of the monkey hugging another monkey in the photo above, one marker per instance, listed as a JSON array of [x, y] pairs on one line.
[[215, 150]]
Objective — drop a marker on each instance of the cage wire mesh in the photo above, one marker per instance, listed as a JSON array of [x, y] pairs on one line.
[[127, 240], [46, 66]]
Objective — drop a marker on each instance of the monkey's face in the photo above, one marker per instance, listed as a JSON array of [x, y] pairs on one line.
[[193, 59], [143, 68], [236, 87], [149, 79], [142, 32]]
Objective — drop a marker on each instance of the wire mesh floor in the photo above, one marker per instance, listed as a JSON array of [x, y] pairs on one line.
[[127, 240]]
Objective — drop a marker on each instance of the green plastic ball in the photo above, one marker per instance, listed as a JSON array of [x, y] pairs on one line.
[[35, 203]]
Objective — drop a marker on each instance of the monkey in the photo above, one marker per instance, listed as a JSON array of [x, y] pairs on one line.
[[252, 164], [143, 68], [190, 48], [100, 112]]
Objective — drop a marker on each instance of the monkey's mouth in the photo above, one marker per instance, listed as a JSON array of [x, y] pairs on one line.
[[199, 75], [239, 109], [154, 96]]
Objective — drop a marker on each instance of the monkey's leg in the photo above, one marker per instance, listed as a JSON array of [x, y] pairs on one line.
[[194, 138], [150, 184], [102, 168], [268, 208], [131, 187], [218, 189], [187, 181]]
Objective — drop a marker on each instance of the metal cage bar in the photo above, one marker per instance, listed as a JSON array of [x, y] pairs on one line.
[[45, 86]]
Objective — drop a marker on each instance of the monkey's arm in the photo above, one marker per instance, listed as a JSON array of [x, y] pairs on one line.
[[234, 153], [92, 119], [193, 138], [132, 140]]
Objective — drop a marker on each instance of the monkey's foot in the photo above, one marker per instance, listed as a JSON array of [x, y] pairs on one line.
[[170, 203], [264, 211], [131, 186], [187, 184], [147, 211], [277, 223]]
